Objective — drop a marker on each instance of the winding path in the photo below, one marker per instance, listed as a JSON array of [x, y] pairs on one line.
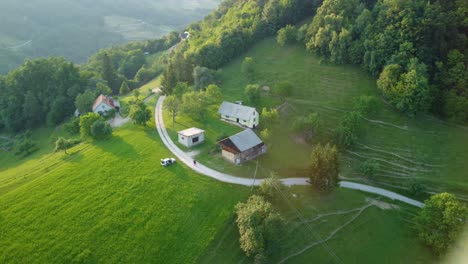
[[223, 177]]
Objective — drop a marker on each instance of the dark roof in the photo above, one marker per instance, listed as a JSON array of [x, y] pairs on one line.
[[242, 141], [236, 110]]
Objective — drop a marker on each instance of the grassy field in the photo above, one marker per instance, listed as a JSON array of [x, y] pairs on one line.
[[423, 148], [359, 229], [110, 202]]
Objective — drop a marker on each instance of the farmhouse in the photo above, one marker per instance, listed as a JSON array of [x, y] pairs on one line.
[[244, 115], [242, 147], [104, 104], [191, 137]]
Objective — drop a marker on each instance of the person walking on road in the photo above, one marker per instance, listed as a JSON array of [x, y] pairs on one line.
[[194, 162]]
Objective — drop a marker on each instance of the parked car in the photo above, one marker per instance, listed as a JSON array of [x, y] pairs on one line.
[[167, 162]]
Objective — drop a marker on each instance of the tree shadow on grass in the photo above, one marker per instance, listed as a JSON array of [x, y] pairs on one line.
[[74, 157], [117, 146]]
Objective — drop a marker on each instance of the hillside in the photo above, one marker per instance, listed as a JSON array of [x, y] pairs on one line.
[[77, 29], [109, 202]]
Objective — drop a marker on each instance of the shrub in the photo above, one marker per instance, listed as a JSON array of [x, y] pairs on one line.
[[270, 186], [369, 167], [101, 130], [366, 105], [287, 34], [73, 127]]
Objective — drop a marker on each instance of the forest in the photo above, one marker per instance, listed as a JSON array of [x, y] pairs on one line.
[[47, 91], [416, 49], [391, 39]]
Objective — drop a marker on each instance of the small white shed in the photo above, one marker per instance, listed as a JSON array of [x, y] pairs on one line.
[[191, 137]]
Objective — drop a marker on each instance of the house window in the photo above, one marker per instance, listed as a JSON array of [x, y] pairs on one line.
[[183, 138], [255, 119], [195, 140], [245, 121], [227, 116]]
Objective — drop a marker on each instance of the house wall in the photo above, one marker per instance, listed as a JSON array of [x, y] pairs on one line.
[[251, 122], [103, 108]]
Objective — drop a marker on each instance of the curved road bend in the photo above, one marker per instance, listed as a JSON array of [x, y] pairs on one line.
[[223, 177]]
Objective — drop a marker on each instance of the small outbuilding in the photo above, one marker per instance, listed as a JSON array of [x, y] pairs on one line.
[[191, 137], [238, 113], [242, 147]]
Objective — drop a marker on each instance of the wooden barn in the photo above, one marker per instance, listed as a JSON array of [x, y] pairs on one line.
[[242, 147]]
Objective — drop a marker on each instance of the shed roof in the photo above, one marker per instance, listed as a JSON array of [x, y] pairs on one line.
[[244, 140], [236, 110], [191, 132]]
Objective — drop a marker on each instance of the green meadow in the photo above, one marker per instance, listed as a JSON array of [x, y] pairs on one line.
[[110, 202], [422, 148], [341, 227]]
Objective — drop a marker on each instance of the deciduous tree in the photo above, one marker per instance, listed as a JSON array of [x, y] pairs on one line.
[[324, 167], [441, 221], [260, 228]]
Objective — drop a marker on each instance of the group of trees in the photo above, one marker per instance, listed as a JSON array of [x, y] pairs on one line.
[[416, 48], [48, 90], [40, 91], [192, 102], [229, 31]]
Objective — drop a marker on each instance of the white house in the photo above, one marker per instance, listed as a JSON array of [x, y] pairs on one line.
[[191, 137], [244, 115], [104, 104], [242, 147]]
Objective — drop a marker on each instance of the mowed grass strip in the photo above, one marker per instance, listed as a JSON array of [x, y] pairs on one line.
[[112, 202]]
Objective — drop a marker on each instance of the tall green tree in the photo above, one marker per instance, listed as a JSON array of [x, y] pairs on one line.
[[109, 74], [408, 90], [173, 105], [124, 89], [202, 77], [139, 113], [440, 222], [86, 121], [324, 167], [260, 228], [213, 94], [194, 104], [84, 102]]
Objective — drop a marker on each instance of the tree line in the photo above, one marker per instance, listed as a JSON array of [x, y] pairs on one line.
[[416, 49], [48, 90], [229, 31]]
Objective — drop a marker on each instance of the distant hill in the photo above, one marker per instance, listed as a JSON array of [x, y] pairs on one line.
[[75, 29]]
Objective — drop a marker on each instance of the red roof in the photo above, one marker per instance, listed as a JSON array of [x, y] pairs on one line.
[[103, 99]]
